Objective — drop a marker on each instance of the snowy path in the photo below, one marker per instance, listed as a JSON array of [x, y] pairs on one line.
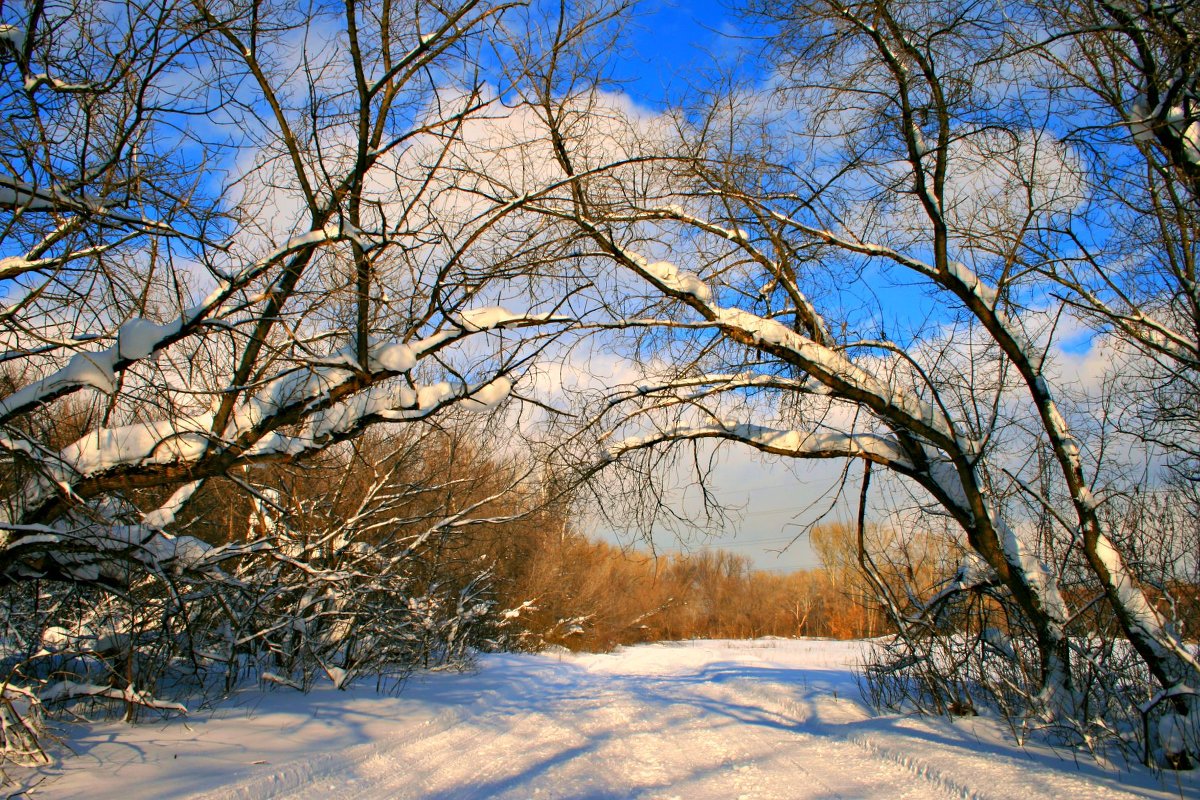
[[764, 719]]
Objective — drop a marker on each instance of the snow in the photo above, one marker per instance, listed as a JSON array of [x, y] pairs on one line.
[[1143, 615], [1191, 142], [1188, 130], [432, 396], [337, 675], [1039, 577], [68, 689], [973, 282], [138, 338], [180, 552], [1171, 733], [17, 193], [392, 356], [918, 139], [56, 639], [91, 369], [158, 442], [488, 396], [1139, 115], [311, 238], [84, 369], [187, 438], [1178, 118], [482, 319], [835, 364], [795, 443], [766, 719], [675, 279], [164, 515], [31, 84]]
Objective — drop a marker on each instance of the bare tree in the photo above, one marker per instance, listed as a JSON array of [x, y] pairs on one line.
[[231, 227], [1134, 72], [232, 234], [854, 266], [361, 576]]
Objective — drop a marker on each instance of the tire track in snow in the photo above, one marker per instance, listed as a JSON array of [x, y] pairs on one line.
[[724, 695], [917, 767], [298, 775], [1004, 775], [733, 726], [819, 753]]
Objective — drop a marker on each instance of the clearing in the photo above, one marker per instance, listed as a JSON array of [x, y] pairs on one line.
[[767, 718]]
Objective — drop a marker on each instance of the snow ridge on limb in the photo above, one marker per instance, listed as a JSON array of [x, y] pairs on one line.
[[944, 476], [1145, 619], [331, 399], [785, 442], [165, 514], [68, 689], [824, 363], [817, 326], [92, 550], [973, 573], [139, 338], [692, 389]]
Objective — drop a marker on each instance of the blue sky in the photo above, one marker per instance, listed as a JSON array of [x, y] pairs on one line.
[[670, 40]]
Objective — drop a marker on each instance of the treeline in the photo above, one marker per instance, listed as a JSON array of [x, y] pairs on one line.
[[559, 586], [590, 595]]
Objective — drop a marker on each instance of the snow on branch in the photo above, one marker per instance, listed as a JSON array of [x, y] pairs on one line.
[[824, 363], [792, 443], [139, 338], [1016, 552], [1039, 577], [95, 551], [1142, 615], [741, 238], [68, 690], [705, 385], [164, 515], [973, 573], [21, 195], [330, 398], [18, 195]]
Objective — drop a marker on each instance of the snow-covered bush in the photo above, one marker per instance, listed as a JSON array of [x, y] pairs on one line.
[[967, 648], [342, 569]]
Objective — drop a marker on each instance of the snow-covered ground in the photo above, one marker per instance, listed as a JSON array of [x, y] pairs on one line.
[[695, 720]]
